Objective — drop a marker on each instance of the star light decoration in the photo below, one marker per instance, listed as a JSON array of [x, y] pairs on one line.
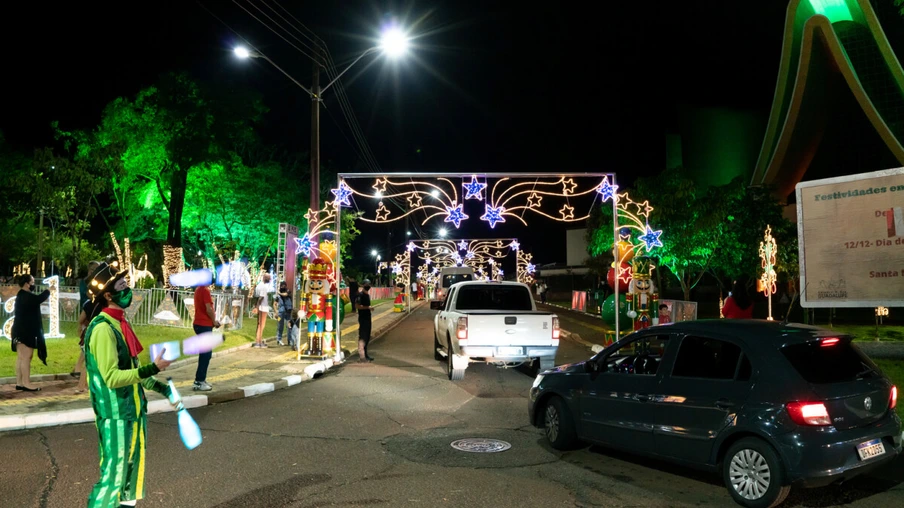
[[650, 238], [455, 214], [493, 215], [606, 190], [411, 246], [474, 189], [342, 194], [304, 245], [462, 245], [515, 245]]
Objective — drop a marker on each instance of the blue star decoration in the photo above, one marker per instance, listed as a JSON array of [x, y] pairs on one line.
[[455, 214], [411, 246], [493, 215], [515, 245], [531, 268], [342, 194], [474, 190], [606, 190], [462, 245], [396, 269], [470, 255], [304, 245], [651, 239]]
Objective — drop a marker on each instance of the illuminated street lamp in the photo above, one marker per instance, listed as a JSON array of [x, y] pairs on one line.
[[393, 43]]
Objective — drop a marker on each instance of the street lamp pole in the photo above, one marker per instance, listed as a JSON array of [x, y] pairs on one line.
[[393, 43]]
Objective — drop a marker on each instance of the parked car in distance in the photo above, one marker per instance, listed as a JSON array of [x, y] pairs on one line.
[[767, 405], [452, 275], [492, 322]]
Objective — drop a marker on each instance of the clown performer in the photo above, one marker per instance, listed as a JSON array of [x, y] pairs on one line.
[[116, 382], [643, 302], [317, 289]]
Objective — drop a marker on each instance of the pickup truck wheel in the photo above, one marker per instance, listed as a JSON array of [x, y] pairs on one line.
[[436, 347], [558, 424], [454, 374]]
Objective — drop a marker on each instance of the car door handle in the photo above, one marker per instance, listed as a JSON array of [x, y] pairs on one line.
[[640, 397], [724, 404]]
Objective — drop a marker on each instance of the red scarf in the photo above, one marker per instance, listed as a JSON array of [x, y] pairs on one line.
[[131, 339]]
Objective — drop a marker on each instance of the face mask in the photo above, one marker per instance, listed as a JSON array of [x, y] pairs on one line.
[[122, 298]]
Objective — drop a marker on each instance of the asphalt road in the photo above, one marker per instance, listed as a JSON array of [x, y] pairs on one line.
[[379, 435]]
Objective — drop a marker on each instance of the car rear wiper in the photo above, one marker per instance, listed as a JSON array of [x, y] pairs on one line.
[[868, 370]]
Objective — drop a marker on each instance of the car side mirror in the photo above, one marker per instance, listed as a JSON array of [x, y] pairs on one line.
[[436, 305]]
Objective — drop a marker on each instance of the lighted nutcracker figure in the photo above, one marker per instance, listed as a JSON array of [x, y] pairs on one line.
[[643, 301], [319, 306]]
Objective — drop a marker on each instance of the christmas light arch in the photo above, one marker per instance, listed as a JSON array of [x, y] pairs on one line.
[[489, 197]]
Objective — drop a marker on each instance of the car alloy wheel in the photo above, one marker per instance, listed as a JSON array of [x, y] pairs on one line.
[[552, 423], [749, 474]]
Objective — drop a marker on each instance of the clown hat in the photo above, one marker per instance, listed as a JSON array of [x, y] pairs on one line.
[[319, 269], [103, 279]]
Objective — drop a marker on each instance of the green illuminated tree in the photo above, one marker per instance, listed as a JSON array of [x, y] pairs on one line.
[[689, 217], [747, 213], [164, 133]]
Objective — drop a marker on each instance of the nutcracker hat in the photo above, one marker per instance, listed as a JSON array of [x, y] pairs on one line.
[[319, 269], [642, 268], [104, 278]]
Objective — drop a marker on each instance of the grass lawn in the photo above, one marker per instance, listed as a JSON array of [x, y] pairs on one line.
[[895, 370], [63, 353], [868, 332]]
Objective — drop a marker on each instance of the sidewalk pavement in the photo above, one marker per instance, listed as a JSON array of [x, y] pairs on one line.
[[234, 374]]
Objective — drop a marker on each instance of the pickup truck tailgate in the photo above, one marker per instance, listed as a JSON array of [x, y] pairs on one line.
[[512, 329]]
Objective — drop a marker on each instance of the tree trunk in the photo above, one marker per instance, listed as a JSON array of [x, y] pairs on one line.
[[172, 248], [76, 249]]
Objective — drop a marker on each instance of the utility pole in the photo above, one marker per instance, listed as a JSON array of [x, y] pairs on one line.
[[39, 268], [315, 134]]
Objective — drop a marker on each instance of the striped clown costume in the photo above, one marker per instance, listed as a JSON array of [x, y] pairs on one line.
[[116, 382]]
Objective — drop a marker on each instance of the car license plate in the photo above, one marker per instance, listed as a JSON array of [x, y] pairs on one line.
[[871, 449], [509, 351]]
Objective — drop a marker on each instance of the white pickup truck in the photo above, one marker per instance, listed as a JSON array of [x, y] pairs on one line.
[[492, 322]]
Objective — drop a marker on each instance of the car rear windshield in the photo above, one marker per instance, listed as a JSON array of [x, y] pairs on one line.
[[453, 278], [488, 297], [823, 364]]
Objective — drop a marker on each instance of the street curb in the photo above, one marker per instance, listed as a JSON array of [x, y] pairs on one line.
[[28, 421]]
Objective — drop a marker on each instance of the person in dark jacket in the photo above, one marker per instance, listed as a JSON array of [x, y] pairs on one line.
[[28, 331], [283, 311], [353, 293]]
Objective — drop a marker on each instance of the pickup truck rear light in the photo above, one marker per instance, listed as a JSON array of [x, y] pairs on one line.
[[893, 398], [462, 332], [808, 413], [555, 329]]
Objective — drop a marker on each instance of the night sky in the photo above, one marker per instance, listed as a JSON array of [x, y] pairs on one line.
[[490, 86]]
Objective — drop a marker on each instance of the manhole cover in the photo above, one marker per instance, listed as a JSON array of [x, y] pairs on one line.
[[480, 445]]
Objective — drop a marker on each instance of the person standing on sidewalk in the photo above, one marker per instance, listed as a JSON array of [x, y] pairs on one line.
[[28, 331], [116, 382], [205, 321], [263, 307], [84, 303], [283, 311], [364, 321]]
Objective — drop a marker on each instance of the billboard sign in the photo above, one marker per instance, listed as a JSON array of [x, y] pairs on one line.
[[851, 240]]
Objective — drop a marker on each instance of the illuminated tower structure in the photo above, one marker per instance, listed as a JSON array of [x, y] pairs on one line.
[[835, 58]]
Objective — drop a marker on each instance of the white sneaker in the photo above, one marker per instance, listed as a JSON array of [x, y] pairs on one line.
[[201, 386]]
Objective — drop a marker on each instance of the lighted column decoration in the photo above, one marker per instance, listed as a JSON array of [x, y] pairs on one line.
[[768, 250], [881, 312], [53, 284], [172, 263]]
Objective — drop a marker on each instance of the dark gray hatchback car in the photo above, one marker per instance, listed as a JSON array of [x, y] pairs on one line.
[[767, 405]]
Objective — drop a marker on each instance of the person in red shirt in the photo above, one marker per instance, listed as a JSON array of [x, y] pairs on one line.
[[205, 321], [738, 304]]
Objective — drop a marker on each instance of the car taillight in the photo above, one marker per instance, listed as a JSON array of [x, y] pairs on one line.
[[462, 330], [808, 413], [555, 328], [893, 398]]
